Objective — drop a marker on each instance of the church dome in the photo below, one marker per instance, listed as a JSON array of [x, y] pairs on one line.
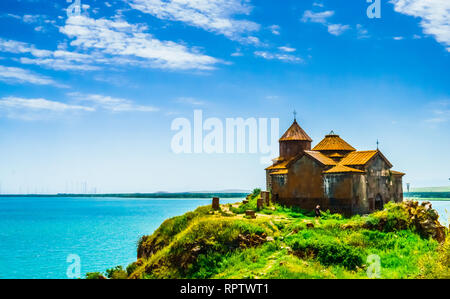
[[332, 142], [295, 133]]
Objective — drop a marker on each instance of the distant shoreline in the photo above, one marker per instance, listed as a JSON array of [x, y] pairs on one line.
[[139, 195], [437, 196], [434, 196]]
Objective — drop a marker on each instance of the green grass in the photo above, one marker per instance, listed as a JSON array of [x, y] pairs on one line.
[[289, 243]]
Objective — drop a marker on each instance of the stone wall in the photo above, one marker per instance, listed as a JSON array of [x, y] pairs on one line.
[[306, 186]]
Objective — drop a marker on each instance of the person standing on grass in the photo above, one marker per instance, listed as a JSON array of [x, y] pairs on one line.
[[317, 211]]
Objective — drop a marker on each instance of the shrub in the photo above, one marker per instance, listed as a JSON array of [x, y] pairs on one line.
[[197, 251], [440, 269], [116, 273], [327, 246], [330, 253], [149, 245], [95, 275]]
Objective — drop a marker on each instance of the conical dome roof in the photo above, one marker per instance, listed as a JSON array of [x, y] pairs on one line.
[[295, 133], [333, 142]]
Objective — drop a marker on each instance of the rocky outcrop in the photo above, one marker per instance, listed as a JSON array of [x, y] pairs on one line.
[[426, 220], [421, 218]]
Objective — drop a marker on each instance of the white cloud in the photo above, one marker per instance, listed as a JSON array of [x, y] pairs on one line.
[[57, 60], [17, 47], [32, 109], [111, 103], [398, 38], [434, 15], [39, 104], [19, 75], [29, 19], [287, 49], [321, 18], [362, 32], [275, 29], [212, 15], [337, 29], [131, 44], [278, 56]]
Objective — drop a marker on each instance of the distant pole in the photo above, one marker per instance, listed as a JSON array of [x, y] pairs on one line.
[[295, 115], [378, 144], [407, 186]]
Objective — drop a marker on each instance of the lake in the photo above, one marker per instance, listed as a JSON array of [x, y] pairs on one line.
[[38, 234]]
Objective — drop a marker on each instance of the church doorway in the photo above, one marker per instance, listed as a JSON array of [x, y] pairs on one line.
[[378, 202]]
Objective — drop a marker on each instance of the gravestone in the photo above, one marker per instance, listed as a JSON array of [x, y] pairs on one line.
[[260, 203], [216, 203], [265, 195], [250, 214]]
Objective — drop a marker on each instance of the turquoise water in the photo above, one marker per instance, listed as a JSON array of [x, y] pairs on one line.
[[38, 234]]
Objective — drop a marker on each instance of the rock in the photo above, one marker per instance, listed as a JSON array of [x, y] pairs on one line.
[[309, 224], [347, 226], [251, 240], [245, 202], [425, 219]]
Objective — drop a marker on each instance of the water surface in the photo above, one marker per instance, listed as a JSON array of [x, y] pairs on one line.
[[38, 234]]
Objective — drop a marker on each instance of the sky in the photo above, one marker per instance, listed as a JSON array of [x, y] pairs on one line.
[[88, 99]]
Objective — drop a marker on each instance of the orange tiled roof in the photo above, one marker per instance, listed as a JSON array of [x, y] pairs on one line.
[[358, 158], [295, 133], [279, 172], [343, 169], [333, 142], [397, 173], [281, 165], [321, 158]]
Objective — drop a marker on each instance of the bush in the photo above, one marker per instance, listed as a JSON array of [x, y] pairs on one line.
[[116, 273], [327, 247], [256, 192], [431, 269], [149, 245], [197, 251], [330, 253], [95, 275]]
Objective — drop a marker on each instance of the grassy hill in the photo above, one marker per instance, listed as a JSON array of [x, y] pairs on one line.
[[281, 242]]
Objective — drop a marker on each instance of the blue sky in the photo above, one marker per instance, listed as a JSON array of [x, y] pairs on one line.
[[91, 98]]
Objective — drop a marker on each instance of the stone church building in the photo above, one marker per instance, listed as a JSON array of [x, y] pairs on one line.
[[333, 175]]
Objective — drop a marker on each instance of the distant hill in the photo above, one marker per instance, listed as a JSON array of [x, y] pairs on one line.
[[431, 189]]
